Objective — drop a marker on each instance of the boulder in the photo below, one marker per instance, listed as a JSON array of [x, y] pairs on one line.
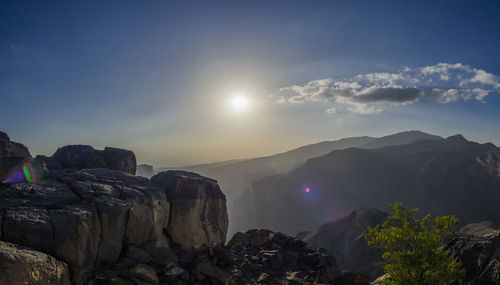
[[198, 215], [85, 157], [144, 170], [22, 265]]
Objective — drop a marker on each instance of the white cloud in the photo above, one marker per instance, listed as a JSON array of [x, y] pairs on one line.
[[363, 109], [443, 83], [331, 110]]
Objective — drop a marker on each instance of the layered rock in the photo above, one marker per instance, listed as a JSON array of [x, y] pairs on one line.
[[86, 157], [345, 240], [22, 265], [199, 214]]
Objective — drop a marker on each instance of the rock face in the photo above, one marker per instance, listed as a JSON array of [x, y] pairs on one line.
[[144, 170], [85, 157], [199, 214], [477, 246], [344, 239], [22, 265]]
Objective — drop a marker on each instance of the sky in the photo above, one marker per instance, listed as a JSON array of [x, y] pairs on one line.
[[159, 77]]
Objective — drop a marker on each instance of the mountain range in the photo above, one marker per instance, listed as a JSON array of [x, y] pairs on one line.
[[440, 176]]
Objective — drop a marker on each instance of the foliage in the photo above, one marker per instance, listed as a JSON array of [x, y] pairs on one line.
[[416, 251]]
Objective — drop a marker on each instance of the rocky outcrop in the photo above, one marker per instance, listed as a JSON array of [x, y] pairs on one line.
[[10, 148], [87, 218], [13, 156], [266, 257], [144, 170], [22, 265], [86, 157], [477, 246], [344, 239], [199, 215]]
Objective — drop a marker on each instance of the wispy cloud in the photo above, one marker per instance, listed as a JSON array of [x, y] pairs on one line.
[[368, 93]]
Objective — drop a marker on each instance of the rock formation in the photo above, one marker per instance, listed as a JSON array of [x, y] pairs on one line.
[[266, 257], [86, 218], [10, 148], [85, 157], [12, 156], [106, 226], [198, 206]]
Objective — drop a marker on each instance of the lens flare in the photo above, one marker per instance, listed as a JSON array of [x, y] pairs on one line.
[[310, 193], [30, 171], [27, 174]]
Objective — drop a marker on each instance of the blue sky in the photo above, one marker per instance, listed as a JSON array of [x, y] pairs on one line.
[[157, 77]]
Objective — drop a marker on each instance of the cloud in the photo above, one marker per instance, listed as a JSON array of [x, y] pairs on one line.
[[331, 110], [442, 83], [363, 109]]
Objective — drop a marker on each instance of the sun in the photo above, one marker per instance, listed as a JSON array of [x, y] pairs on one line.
[[239, 102]]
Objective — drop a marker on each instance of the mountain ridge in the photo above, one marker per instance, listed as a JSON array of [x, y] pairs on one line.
[[425, 172]]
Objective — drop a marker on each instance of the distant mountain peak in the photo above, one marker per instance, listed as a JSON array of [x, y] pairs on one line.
[[457, 137]]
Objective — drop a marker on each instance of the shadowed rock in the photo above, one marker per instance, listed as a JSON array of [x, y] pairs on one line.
[[267, 257], [85, 156]]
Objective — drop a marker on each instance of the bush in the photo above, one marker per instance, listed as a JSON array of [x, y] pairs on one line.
[[416, 251]]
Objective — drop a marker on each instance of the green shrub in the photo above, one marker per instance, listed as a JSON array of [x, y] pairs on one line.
[[415, 249]]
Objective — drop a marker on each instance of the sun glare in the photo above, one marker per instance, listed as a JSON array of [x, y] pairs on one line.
[[239, 102]]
